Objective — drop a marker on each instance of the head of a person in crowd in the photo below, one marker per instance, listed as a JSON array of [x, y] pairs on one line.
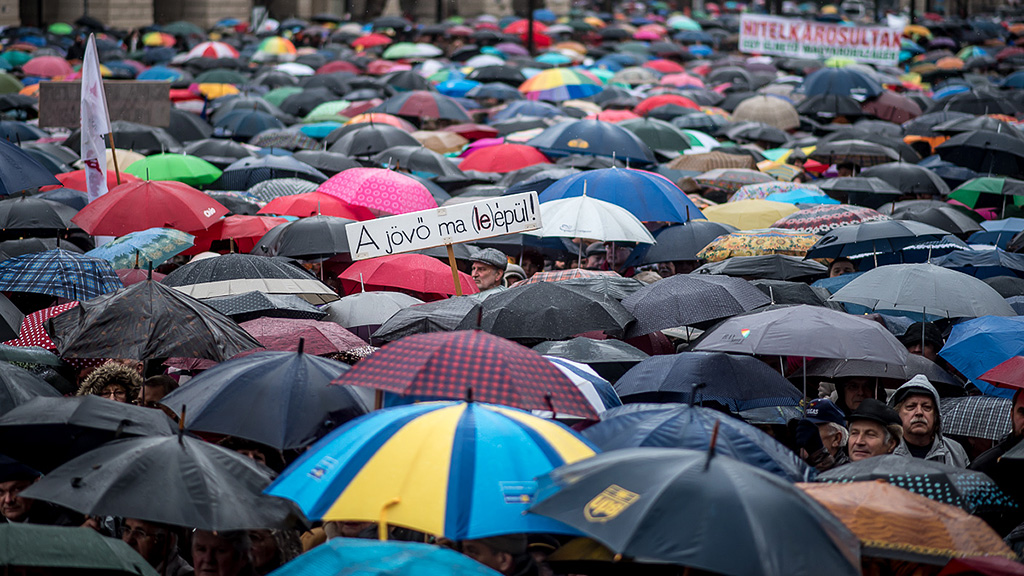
[[841, 265], [271, 549], [261, 453], [514, 273], [685, 266], [155, 388], [532, 262], [831, 423], [156, 543], [489, 267], [540, 546], [15, 477], [617, 254], [923, 339], [875, 430], [351, 529], [648, 276], [594, 256], [500, 553], [852, 390], [113, 381], [846, 170], [222, 553], [917, 403], [1017, 415]]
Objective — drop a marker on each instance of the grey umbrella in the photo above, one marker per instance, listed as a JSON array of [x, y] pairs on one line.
[[175, 480], [233, 274], [609, 358], [690, 300], [256, 304], [878, 237], [924, 289], [440, 316], [831, 368], [765, 266], [18, 386]]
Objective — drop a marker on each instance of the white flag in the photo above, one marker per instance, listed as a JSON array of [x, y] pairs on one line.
[[95, 123]]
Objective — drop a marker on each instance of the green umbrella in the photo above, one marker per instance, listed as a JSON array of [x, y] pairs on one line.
[[9, 84], [61, 29], [191, 170], [66, 548], [16, 58], [658, 134], [278, 95], [181, 28], [970, 192], [411, 50], [29, 355], [221, 76], [328, 112]]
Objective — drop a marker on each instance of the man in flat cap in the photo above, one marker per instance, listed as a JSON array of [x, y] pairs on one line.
[[489, 268]]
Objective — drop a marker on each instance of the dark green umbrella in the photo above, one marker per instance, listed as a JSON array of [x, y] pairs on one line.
[[685, 507], [67, 550], [177, 480]]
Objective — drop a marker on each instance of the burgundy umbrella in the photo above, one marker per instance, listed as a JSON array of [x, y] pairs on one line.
[[283, 334]]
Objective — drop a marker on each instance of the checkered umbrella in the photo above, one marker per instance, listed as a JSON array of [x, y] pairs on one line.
[[59, 273], [448, 365], [560, 275], [985, 417], [821, 219], [688, 300], [252, 305]]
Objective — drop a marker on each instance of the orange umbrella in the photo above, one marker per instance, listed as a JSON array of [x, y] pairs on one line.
[[897, 524], [950, 63]]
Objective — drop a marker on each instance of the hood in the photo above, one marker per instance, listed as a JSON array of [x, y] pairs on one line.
[[918, 383]]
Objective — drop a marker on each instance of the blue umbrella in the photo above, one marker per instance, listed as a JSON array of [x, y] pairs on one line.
[[648, 196], [59, 273], [19, 171], [801, 196], [456, 88], [1015, 80], [355, 557], [144, 248], [67, 196], [684, 426], [319, 130], [161, 73], [976, 346], [14, 131], [498, 90], [593, 138], [840, 81], [997, 232], [244, 124], [527, 108], [701, 50], [983, 263]]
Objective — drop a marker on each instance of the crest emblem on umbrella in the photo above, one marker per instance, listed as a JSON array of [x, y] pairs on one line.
[[609, 503], [578, 143]]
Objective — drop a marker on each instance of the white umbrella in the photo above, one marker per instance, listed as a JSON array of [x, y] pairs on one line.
[[367, 308], [586, 217]]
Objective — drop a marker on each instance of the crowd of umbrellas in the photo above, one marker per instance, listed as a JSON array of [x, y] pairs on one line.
[[759, 282]]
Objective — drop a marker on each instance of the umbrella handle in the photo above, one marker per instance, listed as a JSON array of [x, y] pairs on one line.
[[711, 447], [382, 527]]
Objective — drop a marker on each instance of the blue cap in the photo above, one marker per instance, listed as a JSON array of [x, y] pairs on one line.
[[823, 410]]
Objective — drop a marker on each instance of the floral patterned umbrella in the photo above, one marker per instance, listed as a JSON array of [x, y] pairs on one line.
[[762, 190], [144, 248], [758, 243], [821, 219]]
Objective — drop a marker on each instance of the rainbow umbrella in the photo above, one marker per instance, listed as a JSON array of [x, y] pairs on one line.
[[276, 45], [453, 469], [560, 84], [758, 243], [158, 39]]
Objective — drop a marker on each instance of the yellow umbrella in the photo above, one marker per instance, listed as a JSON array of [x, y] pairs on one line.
[[749, 214], [916, 30], [213, 91]]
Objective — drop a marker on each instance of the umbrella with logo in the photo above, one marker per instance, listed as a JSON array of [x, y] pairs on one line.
[[741, 521], [148, 204], [453, 469]]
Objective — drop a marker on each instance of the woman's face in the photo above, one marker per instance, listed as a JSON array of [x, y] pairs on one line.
[[264, 547]]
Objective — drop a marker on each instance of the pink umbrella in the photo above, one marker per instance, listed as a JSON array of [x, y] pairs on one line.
[[378, 189], [283, 334], [481, 143], [682, 80], [47, 67]]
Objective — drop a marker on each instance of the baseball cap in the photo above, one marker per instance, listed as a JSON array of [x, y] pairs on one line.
[[823, 410], [491, 257], [514, 271], [871, 409]]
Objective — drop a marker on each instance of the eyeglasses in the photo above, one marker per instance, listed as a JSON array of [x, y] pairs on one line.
[[128, 533], [114, 392]]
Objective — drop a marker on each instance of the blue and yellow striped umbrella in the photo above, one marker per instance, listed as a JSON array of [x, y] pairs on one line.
[[453, 469]]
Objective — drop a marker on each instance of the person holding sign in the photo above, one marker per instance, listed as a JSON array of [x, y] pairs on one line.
[[489, 268]]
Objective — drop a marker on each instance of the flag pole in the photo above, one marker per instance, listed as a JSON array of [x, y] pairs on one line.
[[113, 154]]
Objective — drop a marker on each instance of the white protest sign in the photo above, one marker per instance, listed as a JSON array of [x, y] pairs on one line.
[[806, 39], [447, 225]]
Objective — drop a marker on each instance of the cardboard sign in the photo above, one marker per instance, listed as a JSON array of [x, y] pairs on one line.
[[447, 225], [806, 39], [148, 103]]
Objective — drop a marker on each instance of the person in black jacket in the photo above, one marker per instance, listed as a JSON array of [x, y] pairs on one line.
[[1007, 474]]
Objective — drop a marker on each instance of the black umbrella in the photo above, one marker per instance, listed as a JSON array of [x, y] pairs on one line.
[[1007, 286], [679, 242], [882, 236], [417, 159], [969, 123], [21, 170], [176, 480], [786, 292], [67, 550], [312, 238], [440, 316], [236, 204], [615, 286], [233, 274], [147, 320], [132, 136], [829, 369], [248, 172], [370, 139], [22, 246], [219, 152], [187, 127], [860, 191], [739, 520], [609, 358], [980, 102], [825, 107], [510, 75], [252, 305], [986, 152], [859, 152], [972, 491], [944, 217], [689, 300], [46, 432], [548, 311], [10, 319], [909, 178], [925, 124], [288, 399], [330, 163], [75, 199], [756, 132], [227, 105], [304, 102], [36, 216], [18, 386], [765, 266]]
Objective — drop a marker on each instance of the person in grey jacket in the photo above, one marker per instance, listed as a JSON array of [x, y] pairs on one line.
[[917, 403]]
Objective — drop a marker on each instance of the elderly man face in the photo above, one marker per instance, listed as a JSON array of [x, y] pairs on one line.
[[12, 505], [486, 276], [869, 438], [215, 555], [917, 411], [856, 390], [151, 541]]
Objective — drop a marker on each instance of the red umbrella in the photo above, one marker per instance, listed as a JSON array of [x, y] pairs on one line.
[[521, 26], [145, 204], [283, 335], [503, 158], [982, 565], [382, 67], [613, 115], [892, 107], [315, 203], [76, 180], [371, 40], [33, 333], [361, 107], [243, 231], [539, 40], [47, 67], [338, 66], [665, 66], [412, 273], [1009, 374], [648, 104], [136, 275], [470, 364], [472, 131]]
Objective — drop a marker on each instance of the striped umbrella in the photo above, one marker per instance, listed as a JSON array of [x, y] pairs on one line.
[[560, 84], [212, 50], [453, 469], [276, 45]]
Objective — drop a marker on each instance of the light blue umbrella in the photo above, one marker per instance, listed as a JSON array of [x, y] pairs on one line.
[[144, 248], [801, 196], [355, 557]]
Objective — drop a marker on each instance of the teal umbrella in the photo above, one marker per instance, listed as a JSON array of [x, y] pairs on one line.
[[144, 248], [67, 549]]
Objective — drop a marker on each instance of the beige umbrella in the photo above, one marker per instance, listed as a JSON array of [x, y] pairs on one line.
[[769, 110], [440, 141]]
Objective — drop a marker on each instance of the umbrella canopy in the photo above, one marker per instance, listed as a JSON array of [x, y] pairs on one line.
[[145, 248], [1006, 374], [976, 346], [146, 320], [440, 316], [592, 138], [378, 189], [893, 523], [984, 152], [415, 273], [18, 386], [46, 432], [21, 171], [59, 273], [985, 417], [821, 219], [423, 104], [648, 196], [34, 216], [548, 311], [447, 468], [741, 520], [909, 178], [293, 334], [201, 485], [876, 237], [749, 214], [190, 170], [63, 548], [587, 217], [255, 304], [758, 243], [367, 308], [354, 557], [809, 331], [288, 403], [767, 267], [148, 204], [234, 274], [924, 289], [689, 300], [560, 84], [425, 366], [678, 242], [248, 172]]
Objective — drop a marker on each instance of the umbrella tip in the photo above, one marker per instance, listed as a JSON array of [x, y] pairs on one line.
[[711, 447], [302, 344], [150, 275], [181, 425]]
